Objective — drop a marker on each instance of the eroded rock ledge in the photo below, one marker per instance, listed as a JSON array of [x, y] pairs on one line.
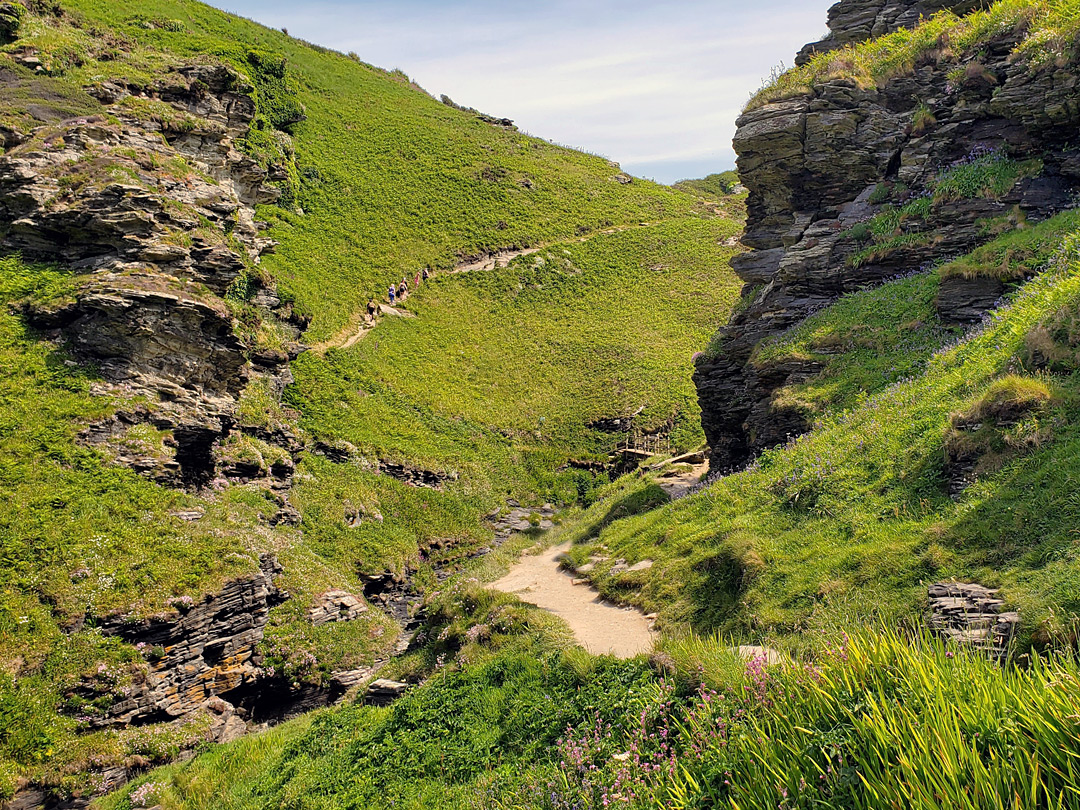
[[813, 164], [858, 20], [206, 650], [152, 208]]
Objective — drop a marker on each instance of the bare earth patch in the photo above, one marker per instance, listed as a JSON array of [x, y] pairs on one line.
[[599, 626]]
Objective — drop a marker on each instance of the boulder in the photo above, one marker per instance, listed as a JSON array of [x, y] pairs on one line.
[[384, 692], [336, 606]]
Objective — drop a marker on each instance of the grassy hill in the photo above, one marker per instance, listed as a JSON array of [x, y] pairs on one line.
[[494, 380], [839, 530], [389, 179], [935, 454], [851, 521]]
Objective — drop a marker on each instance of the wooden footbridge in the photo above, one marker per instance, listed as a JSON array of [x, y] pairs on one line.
[[643, 446]]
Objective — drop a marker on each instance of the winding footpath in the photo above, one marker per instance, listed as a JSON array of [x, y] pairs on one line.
[[599, 626], [360, 324]]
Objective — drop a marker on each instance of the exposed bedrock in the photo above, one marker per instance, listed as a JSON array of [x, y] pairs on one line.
[[152, 208], [812, 164], [857, 20], [206, 650]]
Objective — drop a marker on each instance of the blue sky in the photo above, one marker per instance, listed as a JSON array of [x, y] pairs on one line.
[[654, 85]]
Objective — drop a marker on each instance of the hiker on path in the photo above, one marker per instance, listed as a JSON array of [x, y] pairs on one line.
[[392, 293], [403, 289], [416, 281], [426, 274], [372, 308]]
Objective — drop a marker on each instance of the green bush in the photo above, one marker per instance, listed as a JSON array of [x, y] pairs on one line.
[[278, 90], [11, 15]]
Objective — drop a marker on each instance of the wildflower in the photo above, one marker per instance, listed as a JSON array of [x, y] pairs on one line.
[[142, 795]]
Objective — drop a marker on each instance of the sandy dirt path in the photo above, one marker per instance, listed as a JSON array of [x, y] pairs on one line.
[[678, 486], [599, 626]]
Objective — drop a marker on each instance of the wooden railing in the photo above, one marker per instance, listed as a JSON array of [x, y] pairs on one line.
[[650, 444]]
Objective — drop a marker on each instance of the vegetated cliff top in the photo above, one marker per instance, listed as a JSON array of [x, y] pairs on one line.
[[713, 185], [1048, 34]]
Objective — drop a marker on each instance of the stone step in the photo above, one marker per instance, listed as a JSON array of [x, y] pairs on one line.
[[383, 692]]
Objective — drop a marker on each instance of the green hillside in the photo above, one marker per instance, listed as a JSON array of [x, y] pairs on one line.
[[852, 520], [389, 179], [564, 297], [383, 180], [841, 529]]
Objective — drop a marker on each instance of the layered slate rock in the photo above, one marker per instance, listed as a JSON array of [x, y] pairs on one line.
[[853, 21], [206, 650], [152, 207], [972, 615], [384, 692], [336, 606], [812, 164], [415, 476]]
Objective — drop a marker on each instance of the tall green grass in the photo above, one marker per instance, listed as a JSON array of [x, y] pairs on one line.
[[881, 720], [873, 719]]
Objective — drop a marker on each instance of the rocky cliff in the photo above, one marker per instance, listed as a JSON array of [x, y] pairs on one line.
[[203, 651], [151, 206], [852, 21], [852, 183]]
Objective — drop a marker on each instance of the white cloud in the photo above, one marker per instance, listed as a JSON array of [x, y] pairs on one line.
[[655, 85]]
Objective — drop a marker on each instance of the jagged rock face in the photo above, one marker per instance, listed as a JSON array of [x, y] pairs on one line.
[[208, 650], [971, 614], [152, 207], [812, 164], [151, 335], [857, 20], [415, 476]]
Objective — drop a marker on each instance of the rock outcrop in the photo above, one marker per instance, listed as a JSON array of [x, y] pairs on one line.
[[337, 606], [971, 614], [853, 21], [384, 692], [207, 649], [821, 165], [152, 207]]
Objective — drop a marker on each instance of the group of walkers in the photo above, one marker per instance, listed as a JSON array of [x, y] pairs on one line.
[[397, 292]]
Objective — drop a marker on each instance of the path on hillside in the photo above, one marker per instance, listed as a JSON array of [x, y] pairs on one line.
[[679, 485], [599, 626], [360, 325]]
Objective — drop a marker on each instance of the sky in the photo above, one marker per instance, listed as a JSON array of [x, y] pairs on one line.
[[653, 84]]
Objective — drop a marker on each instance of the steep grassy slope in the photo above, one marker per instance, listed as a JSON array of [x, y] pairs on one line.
[[854, 518], [385, 180], [563, 337], [390, 180], [840, 527]]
